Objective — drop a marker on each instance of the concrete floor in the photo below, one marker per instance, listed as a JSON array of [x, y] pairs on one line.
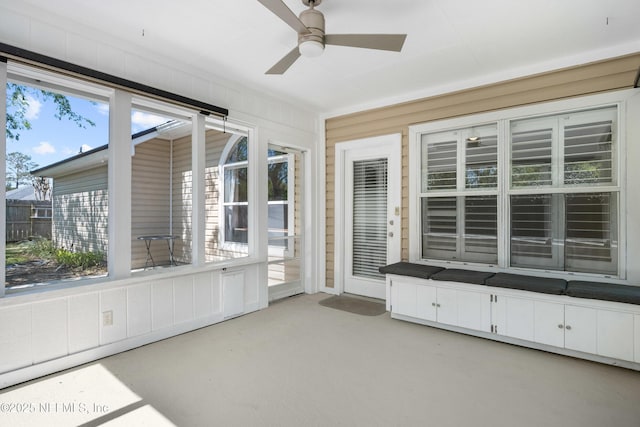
[[300, 364]]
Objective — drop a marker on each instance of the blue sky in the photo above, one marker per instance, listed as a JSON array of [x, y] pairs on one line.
[[51, 140]]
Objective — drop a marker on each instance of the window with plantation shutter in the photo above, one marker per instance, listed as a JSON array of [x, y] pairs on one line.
[[574, 228], [441, 164], [588, 149], [440, 227], [529, 193], [481, 161], [531, 154], [457, 222], [532, 233], [369, 217], [592, 235], [481, 228]]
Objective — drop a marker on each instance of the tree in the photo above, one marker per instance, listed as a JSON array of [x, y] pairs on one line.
[[41, 187], [18, 105], [18, 167]]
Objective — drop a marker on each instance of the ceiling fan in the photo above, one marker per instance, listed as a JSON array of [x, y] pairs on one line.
[[312, 39]]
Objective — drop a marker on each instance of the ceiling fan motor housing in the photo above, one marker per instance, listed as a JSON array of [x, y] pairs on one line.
[[314, 21]]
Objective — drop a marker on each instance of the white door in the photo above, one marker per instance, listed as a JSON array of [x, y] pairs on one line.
[[285, 224], [368, 214]]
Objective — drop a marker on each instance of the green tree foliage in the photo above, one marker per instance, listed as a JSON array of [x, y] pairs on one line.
[[18, 105]]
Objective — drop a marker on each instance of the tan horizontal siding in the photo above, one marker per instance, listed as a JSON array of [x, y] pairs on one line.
[[80, 211], [150, 208], [601, 76]]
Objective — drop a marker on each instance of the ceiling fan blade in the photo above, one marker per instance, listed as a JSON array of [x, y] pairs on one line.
[[393, 42], [283, 12], [286, 62]]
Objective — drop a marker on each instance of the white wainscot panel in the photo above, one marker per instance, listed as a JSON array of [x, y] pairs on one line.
[[15, 338], [138, 309], [162, 304], [203, 295], [113, 305], [183, 294], [50, 329], [251, 287], [84, 322]]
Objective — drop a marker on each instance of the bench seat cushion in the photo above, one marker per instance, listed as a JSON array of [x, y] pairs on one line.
[[464, 276], [409, 269], [604, 291], [543, 285]]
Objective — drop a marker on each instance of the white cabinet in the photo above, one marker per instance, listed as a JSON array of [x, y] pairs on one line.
[[549, 323], [604, 332], [528, 319], [597, 331], [474, 310], [599, 328], [615, 334], [442, 304], [580, 328], [513, 317]]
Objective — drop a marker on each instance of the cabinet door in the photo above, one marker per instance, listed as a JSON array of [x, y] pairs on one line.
[[403, 298], [615, 334], [580, 328], [426, 307], [474, 310], [549, 323], [514, 317], [447, 306], [232, 294]]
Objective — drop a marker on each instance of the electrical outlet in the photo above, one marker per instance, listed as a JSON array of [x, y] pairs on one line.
[[107, 318]]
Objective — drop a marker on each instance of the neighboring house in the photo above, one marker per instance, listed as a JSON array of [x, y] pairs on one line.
[[22, 193], [161, 200]]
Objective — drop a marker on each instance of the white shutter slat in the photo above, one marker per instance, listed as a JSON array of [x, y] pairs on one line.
[[481, 158], [531, 156], [588, 153]]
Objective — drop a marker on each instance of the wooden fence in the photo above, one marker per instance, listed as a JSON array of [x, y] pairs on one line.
[[28, 218]]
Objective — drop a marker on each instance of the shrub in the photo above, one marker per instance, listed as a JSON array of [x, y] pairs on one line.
[[78, 259], [38, 247]]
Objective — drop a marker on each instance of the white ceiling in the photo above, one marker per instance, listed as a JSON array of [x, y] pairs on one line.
[[451, 44]]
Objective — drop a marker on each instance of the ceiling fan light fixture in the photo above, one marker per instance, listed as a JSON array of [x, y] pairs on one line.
[[311, 48]]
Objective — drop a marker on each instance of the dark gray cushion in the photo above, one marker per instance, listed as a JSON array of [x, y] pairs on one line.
[[604, 291], [409, 269], [464, 276], [543, 285]]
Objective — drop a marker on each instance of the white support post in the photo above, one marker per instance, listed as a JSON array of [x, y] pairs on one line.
[[119, 185], [3, 170], [198, 156]]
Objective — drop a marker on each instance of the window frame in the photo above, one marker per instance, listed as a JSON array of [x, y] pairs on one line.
[[288, 158], [234, 246], [503, 118]]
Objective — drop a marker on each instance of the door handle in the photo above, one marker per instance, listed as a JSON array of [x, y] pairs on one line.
[[390, 234]]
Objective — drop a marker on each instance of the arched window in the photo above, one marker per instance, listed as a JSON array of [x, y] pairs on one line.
[[235, 201]]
